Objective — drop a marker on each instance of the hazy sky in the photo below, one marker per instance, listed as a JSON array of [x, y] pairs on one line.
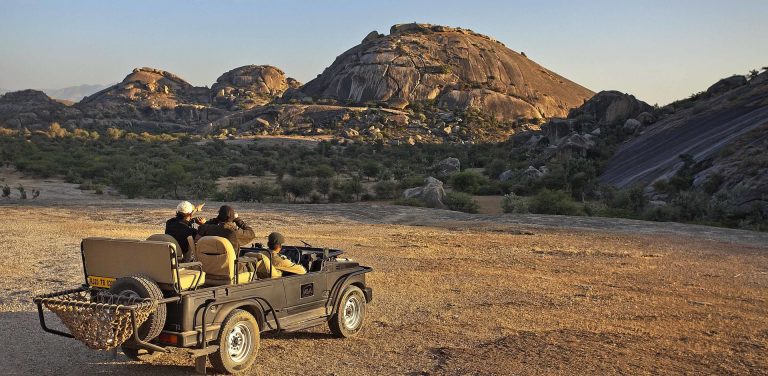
[[656, 50]]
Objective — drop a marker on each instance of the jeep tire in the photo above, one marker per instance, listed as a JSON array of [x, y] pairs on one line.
[[350, 313], [143, 287], [238, 343]]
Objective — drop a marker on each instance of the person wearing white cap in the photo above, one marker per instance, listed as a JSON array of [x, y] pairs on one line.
[[181, 226]]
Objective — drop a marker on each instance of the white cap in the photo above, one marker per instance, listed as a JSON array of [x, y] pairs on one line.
[[185, 207]]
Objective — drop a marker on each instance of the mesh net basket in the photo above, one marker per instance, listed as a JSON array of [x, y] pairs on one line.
[[100, 320]]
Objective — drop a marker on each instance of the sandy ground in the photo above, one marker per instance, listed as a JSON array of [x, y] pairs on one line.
[[455, 294]]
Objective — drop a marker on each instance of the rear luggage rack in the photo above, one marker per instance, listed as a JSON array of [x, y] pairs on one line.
[[100, 320]]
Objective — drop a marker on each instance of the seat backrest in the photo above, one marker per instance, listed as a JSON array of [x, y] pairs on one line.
[[165, 238], [217, 256], [192, 246], [115, 258], [264, 265]]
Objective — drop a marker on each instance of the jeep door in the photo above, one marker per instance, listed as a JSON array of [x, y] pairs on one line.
[[305, 293]]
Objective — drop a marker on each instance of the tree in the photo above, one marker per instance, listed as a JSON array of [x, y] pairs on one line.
[[176, 176], [386, 189], [297, 187], [370, 169], [323, 186], [22, 192], [324, 171], [352, 187]]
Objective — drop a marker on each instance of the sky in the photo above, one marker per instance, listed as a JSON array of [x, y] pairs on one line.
[[658, 51]]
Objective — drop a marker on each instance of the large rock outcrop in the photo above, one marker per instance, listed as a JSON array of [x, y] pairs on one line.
[[162, 100], [725, 133], [611, 108], [456, 67], [33, 109], [249, 86]]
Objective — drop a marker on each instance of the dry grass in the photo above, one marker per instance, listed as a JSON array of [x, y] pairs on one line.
[[464, 298]]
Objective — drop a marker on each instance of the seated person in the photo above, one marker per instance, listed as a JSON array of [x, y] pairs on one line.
[[280, 262], [181, 226], [228, 225]]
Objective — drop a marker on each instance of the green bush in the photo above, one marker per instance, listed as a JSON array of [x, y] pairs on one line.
[[462, 202], [554, 202], [691, 205], [386, 189], [512, 203], [258, 192], [632, 200], [410, 202], [468, 181], [411, 181]]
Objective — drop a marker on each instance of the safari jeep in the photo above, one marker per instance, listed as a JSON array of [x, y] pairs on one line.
[[138, 296]]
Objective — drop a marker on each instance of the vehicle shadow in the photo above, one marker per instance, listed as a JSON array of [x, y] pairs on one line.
[[28, 350], [297, 335]]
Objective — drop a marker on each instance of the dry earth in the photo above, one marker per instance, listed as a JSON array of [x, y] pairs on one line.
[[455, 294]]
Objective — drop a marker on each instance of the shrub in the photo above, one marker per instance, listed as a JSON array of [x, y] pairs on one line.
[[512, 203], [411, 181], [468, 181], [632, 200], [495, 168], [386, 189], [251, 192], [554, 202], [410, 202], [462, 202], [352, 187], [691, 205]]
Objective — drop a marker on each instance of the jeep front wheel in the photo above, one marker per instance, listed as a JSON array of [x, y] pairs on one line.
[[350, 313], [238, 343]]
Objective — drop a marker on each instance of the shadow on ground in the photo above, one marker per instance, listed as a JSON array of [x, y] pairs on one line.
[[28, 350]]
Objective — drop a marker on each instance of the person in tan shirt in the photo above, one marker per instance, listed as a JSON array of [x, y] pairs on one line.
[[279, 261]]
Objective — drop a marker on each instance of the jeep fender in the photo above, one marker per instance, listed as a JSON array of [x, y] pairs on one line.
[[356, 278], [253, 306]]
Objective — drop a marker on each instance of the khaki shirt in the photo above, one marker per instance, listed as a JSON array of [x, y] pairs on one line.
[[284, 264]]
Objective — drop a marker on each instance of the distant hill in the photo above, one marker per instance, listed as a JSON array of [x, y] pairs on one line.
[[74, 93]]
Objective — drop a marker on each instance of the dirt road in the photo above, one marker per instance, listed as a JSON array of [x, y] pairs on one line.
[[454, 293]]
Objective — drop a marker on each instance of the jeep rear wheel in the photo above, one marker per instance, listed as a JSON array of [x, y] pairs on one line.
[[350, 313], [139, 286], [238, 343]]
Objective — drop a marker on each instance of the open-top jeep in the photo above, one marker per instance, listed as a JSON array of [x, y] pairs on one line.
[[139, 297]]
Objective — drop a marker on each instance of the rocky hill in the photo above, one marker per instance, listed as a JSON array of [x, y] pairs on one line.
[[724, 131], [252, 85], [421, 83], [456, 67], [33, 108]]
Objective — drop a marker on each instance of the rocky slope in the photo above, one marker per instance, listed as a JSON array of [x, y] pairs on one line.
[[723, 129], [456, 67]]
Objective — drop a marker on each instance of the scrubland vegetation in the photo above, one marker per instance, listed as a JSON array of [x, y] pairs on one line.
[[183, 166]]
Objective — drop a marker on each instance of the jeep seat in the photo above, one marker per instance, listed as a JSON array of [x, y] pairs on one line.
[[219, 262], [115, 258], [264, 267]]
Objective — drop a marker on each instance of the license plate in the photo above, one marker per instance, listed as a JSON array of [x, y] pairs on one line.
[[103, 282]]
